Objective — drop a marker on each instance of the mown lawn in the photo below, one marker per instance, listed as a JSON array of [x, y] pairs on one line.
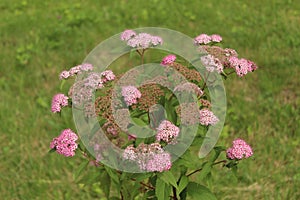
[[41, 38]]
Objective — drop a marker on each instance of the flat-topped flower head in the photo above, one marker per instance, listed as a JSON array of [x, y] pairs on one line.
[[130, 94], [212, 63], [167, 132], [202, 39], [76, 70], [239, 150], [242, 66], [65, 144], [59, 101], [107, 75], [168, 60], [189, 87], [216, 38], [144, 41], [127, 34], [159, 163], [149, 157], [207, 117]]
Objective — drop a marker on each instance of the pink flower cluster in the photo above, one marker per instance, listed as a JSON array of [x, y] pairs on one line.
[[239, 150], [130, 94], [205, 39], [65, 143], [207, 117], [59, 101], [212, 64], [141, 40], [96, 80], [150, 157], [189, 87], [167, 132], [76, 70], [127, 34], [168, 60], [242, 66]]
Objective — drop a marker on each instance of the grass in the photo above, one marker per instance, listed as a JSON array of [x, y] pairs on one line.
[[40, 39]]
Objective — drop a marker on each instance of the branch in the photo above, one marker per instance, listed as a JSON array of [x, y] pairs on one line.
[[198, 170]]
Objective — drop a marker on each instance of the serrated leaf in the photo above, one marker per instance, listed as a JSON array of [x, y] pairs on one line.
[[160, 189], [80, 169], [184, 180], [199, 192], [168, 178], [105, 182], [113, 175], [206, 169]]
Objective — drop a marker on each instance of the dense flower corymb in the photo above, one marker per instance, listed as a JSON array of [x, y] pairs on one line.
[[76, 70], [205, 39], [168, 60], [149, 157], [239, 150], [207, 117], [212, 64], [167, 132], [65, 143], [130, 94], [127, 34], [59, 101], [242, 66], [144, 41]]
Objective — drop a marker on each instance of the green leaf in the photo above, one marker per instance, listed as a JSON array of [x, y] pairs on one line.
[[105, 182], [52, 150], [184, 180], [62, 84], [206, 169], [113, 175], [80, 169], [168, 178], [199, 192], [139, 121], [217, 151], [141, 176], [162, 190]]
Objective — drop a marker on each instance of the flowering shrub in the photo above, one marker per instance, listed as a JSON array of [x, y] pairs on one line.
[[163, 122]]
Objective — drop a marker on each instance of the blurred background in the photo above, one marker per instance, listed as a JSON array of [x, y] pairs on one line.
[[39, 39]]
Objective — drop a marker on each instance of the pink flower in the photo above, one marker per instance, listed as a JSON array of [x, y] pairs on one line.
[[144, 40], [167, 132], [159, 162], [202, 39], [131, 137], [130, 94], [242, 66], [189, 87], [59, 101], [156, 40], [65, 143], [149, 157], [130, 153], [207, 117], [212, 64], [64, 75], [76, 70], [216, 38], [108, 76], [239, 150], [168, 60], [127, 34]]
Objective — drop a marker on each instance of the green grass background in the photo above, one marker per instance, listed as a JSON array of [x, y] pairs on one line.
[[38, 39]]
